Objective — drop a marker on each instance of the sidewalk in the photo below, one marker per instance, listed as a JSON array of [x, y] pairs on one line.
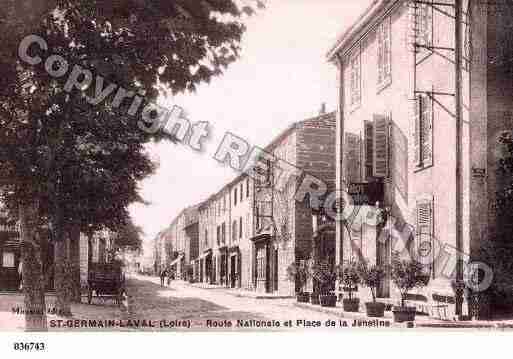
[[421, 321], [10, 320], [238, 292]]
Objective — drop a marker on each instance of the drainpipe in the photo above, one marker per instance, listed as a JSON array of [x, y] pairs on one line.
[[459, 155]]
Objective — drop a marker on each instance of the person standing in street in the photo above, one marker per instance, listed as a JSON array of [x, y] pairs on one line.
[[163, 274]]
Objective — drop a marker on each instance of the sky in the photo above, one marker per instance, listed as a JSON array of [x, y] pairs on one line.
[[281, 77]]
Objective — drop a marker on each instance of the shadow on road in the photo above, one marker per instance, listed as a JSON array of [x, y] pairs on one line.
[[150, 301]]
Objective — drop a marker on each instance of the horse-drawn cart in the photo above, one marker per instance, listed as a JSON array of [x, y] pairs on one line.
[[106, 280]]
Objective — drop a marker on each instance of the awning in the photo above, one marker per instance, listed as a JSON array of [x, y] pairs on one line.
[[205, 254], [264, 237], [176, 260], [265, 234]]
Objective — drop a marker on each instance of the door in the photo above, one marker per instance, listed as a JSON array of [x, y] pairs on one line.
[[275, 270], [233, 271]]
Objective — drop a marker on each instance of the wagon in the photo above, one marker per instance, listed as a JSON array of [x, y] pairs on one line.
[[106, 280]]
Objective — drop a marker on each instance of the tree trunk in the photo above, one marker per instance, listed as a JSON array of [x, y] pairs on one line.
[[63, 274], [32, 269], [75, 261]]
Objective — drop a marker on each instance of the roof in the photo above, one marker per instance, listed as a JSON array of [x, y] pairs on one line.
[[347, 37], [273, 144]]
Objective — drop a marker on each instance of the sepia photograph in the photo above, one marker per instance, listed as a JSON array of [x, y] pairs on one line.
[[255, 166]]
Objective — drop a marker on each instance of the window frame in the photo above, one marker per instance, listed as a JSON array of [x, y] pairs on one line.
[[384, 37], [355, 77]]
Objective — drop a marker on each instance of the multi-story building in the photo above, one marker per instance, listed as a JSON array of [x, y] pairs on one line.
[[241, 231], [243, 244], [283, 222], [419, 116], [206, 267]]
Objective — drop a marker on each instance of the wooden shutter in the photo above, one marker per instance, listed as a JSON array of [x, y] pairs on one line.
[[427, 131], [381, 59], [381, 137], [368, 139], [387, 50], [425, 232], [352, 146], [416, 135]]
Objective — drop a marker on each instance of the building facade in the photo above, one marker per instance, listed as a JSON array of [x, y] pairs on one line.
[[419, 116]]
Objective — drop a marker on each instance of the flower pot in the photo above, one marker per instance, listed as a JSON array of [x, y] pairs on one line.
[[375, 309], [351, 305], [404, 314], [303, 297], [328, 300], [314, 298]]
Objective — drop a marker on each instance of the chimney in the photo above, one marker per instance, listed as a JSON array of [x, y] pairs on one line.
[[323, 109]]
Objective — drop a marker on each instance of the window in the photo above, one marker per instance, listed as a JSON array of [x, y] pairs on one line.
[[352, 157], [240, 227], [8, 260], [260, 264], [224, 203], [424, 27], [467, 53], [247, 188], [384, 53], [368, 151], [355, 80], [423, 250], [206, 237], [241, 192], [218, 235], [234, 231], [223, 232], [235, 197], [423, 141]]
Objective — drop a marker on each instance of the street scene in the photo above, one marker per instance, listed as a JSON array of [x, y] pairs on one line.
[[183, 166]]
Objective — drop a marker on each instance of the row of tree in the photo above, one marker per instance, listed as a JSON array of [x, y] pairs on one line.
[[72, 166]]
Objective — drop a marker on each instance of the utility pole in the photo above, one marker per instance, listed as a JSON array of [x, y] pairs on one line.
[[459, 155]]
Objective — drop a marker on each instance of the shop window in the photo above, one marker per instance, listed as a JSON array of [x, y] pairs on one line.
[[8, 260]]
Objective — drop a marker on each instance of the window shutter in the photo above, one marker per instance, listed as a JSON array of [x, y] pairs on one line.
[[424, 242], [427, 131], [368, 138], [386, 48], [416, 135], [352, 145], [380, 53], [381, 135]]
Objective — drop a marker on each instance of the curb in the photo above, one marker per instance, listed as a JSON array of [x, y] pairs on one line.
[[416, 324]]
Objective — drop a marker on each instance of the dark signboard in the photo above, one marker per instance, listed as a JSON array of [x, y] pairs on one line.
[[366, 193]]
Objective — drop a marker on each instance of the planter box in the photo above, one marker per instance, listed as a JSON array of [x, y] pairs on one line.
[[404, 314], [314, 299], [303, 297], [375, 310], [328, 300], [351, 305]]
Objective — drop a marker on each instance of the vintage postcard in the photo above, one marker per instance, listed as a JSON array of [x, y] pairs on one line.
[[255, 166]]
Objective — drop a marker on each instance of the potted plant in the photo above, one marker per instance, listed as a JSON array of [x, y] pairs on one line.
[[325, 275], [190, 273], [371, 276], [348, 276], [298, 273], [406, 275]]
